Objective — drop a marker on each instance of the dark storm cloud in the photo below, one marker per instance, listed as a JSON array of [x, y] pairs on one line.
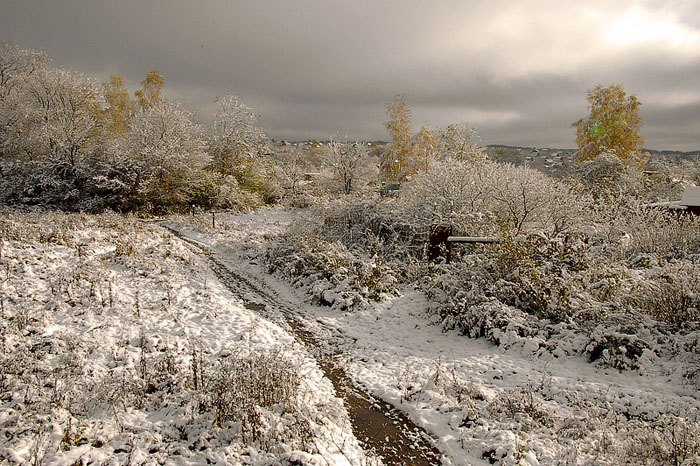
[[314, 69]]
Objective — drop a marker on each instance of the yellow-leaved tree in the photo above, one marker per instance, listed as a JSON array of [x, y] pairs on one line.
[[611, 127], [396, 161], [120, 107], [149, 94], [424, 145]]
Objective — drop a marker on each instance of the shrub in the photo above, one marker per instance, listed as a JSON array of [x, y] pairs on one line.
[[522, 404], [671, 295], [664, 234], [246, 389], [668, 441]]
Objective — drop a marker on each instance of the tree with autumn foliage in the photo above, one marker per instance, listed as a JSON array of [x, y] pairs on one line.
[[149, 94], [120, 107], [424, 146], [612, 126], [396, 162]]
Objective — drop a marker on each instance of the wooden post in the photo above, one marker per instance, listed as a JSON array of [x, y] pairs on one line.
[[213, 221], [438, 245]]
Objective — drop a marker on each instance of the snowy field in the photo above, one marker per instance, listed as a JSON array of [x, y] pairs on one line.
[[482, 404], [120, 346]]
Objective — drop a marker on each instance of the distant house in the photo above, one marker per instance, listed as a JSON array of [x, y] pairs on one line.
[[689, 203], [691, 200]]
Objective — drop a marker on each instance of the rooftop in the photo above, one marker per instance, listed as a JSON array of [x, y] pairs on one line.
[[691, 196]]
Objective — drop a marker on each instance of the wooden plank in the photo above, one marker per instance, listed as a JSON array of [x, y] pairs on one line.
[[472, 239]]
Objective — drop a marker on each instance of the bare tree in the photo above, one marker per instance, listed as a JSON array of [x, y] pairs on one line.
[[292, 170], [346, 160]]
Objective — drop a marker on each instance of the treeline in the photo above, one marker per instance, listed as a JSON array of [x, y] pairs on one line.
[[71, 142]]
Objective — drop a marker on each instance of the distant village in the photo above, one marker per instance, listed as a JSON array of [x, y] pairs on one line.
[[555, 162]]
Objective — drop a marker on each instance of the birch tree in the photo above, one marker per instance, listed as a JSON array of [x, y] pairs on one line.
[[396, 164], [612, 126]]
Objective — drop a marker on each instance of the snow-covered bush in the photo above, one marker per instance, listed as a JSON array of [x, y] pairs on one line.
[[451, 191], [669, 440], [247, 390], [340, 253], [608, 176], [334, 275], [661, 233], [523, 405], [480, 197], [671, 294], [527, 200]]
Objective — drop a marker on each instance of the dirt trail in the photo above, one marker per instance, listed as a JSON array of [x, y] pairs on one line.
[[380, 427]]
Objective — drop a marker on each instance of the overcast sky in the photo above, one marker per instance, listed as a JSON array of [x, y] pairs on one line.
[[519, 70]]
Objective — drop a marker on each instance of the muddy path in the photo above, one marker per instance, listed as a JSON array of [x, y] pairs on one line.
[[381, 428]]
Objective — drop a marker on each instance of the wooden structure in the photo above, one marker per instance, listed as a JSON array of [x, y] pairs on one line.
[[441, 240], [689, 203], [691, 200]]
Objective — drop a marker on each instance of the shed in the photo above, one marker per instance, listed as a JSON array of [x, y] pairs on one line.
[[691, 199]]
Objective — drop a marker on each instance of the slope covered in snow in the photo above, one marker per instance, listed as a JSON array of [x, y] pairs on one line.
[[120, 346]]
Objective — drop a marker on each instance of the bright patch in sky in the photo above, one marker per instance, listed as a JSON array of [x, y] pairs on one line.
[[637, 26]]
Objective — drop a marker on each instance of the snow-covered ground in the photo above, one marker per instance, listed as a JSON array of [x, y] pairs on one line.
[[482, 404], [119, 345]]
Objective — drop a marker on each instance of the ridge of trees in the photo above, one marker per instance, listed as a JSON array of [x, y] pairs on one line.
[[72, 142], [69, 141]]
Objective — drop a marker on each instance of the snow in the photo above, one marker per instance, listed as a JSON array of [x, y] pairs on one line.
[[102, 321], [104, 318], [515, 403]]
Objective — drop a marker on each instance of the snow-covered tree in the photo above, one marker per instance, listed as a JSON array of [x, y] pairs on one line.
[[346, 160], [235, 139], [17, 64], [166, 150], [52, 115], [291, 171], [459, 142]]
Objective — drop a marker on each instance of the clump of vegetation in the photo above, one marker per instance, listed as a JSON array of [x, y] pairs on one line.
[[104, 150], [247, 390]]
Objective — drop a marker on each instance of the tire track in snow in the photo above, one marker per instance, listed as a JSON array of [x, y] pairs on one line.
[[379, 426]]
